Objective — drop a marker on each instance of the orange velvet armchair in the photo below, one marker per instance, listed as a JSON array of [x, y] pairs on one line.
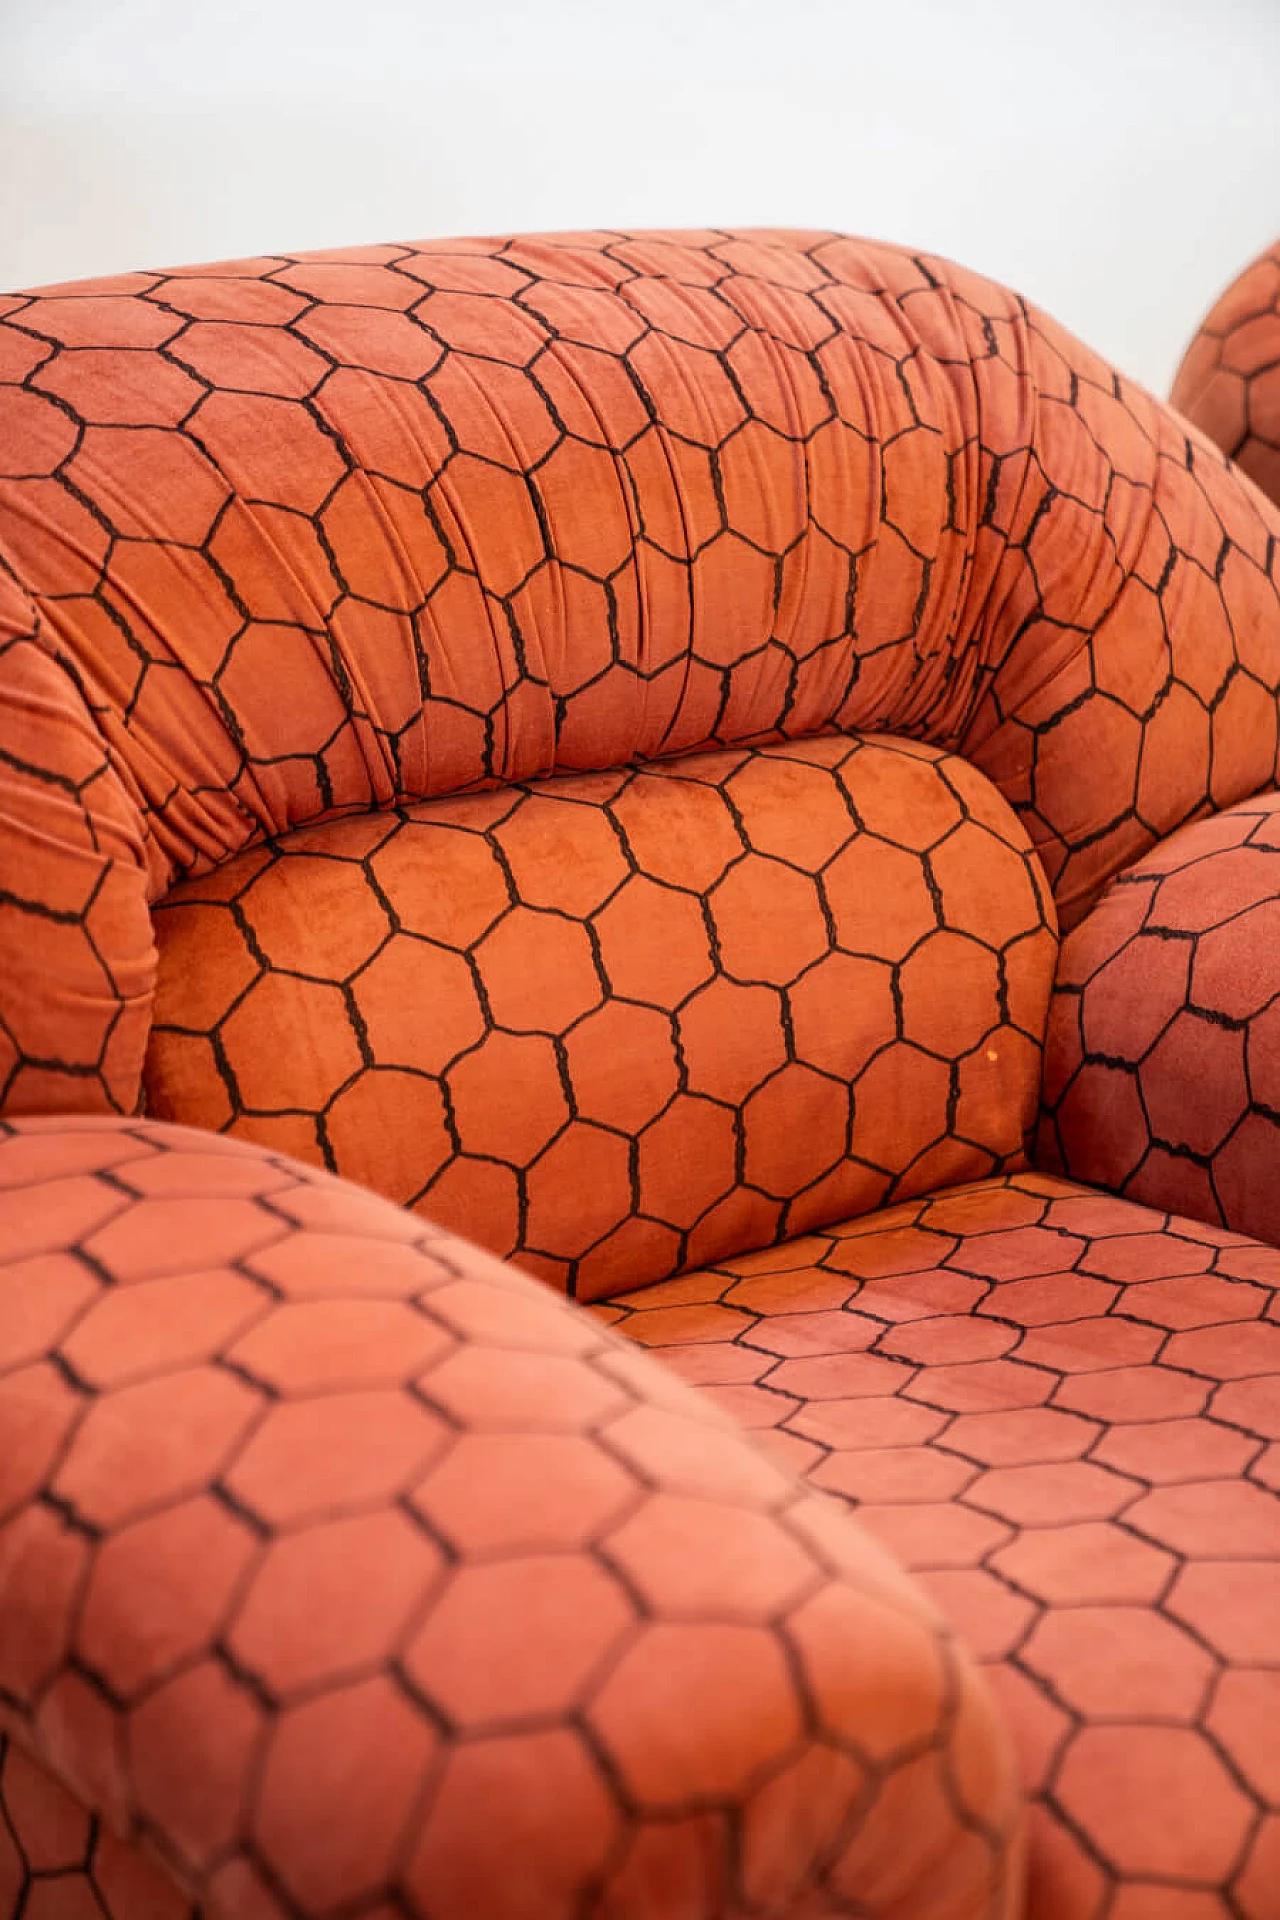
[[730, 777]]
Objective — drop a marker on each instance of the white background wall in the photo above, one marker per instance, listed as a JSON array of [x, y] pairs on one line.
[[1117, 160]]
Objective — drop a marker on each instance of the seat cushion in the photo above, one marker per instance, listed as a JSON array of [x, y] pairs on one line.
[[1062, 1411]]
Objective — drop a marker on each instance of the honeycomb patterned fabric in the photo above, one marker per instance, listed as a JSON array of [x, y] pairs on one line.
[[344, 1570], [1162, 1060], [1061, 1410], [596, 737], [295, 537], [1229, 380], [618, 1026]]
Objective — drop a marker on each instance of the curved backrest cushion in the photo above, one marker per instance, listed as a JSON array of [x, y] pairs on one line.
[[617, 1024], [312, 535], [1228, 384]]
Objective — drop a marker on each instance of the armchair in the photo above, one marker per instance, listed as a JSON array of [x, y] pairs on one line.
[[589, 765]]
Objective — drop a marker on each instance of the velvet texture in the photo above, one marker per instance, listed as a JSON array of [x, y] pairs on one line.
[[493, 510], [1162, 1058], [1229, 379], [352, 1571], [596, 736], [612, 1027], [1062, 1411]]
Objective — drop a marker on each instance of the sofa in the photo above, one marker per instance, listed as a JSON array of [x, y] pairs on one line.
[[639, 1085]]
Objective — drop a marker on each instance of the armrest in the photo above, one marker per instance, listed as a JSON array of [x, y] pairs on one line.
[[341, 1565], [77, 950], [1162, 1056]]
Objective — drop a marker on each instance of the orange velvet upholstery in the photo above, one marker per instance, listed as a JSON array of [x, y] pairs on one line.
[[503, 509], [346, 1567], [1162, 1058], [615, 1027], [621, 744], [1062, 1411], [1229, 379]]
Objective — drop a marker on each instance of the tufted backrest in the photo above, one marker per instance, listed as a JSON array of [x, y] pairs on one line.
[[286, 540]]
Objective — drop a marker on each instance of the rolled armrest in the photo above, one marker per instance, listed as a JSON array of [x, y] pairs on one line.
[[1226, 384], [1162, 1057], [342, 1567]]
